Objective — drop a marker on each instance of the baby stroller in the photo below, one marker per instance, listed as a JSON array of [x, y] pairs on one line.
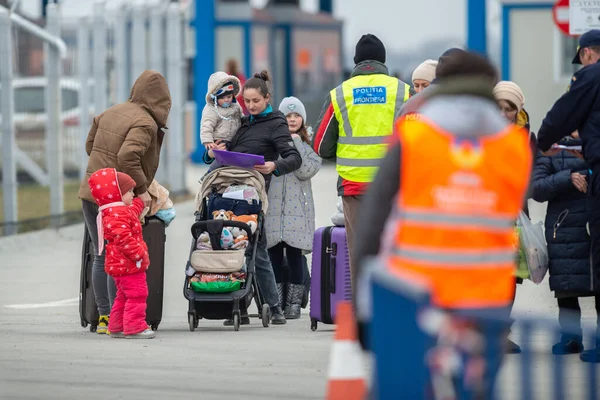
[[215, 261]]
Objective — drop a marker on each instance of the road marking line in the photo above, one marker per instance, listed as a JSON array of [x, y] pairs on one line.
[[58, 303]]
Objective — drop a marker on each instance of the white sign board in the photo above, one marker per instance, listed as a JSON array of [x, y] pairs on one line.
[[584, 15]]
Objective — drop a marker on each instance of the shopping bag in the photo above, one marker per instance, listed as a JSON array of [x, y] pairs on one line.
[[533, 243], [522, 268]]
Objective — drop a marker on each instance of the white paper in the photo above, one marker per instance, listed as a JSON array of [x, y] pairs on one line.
[[237, 195], [561, 146]]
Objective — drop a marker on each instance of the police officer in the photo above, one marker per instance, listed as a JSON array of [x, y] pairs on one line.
[[579, 110], [355, 124]]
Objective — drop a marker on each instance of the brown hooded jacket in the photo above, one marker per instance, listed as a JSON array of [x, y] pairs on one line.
[[128, 136]]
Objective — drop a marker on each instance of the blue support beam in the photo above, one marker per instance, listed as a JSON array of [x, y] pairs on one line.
[[248, 49], [288, 57], [477, 26], [326, 6], [204, 62]]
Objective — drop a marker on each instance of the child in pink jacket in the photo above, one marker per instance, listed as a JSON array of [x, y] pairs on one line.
[[126, 252]]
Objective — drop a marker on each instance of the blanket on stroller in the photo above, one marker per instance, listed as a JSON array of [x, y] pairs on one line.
[[222, 178]]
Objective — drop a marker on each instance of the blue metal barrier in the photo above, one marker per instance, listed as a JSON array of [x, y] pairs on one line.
[[403, 350]]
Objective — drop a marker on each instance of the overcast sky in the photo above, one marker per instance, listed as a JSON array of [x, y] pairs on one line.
[[400, 24]]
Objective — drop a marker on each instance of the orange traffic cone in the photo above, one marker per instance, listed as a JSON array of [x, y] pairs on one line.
[[346, 372]]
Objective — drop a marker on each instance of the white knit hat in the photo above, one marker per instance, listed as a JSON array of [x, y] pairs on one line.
[[425, 71], [510, 91], [293, 105]]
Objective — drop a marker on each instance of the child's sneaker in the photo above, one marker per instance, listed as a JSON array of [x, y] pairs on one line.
[[147, 334], [118, 335], [102, 327]]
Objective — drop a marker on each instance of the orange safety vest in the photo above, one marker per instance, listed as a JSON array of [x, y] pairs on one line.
[[458, 201]]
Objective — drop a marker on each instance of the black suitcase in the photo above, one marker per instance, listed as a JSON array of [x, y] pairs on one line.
[[88, 311], [155, 238]]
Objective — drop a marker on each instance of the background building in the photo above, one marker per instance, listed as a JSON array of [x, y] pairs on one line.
[[529, 48]]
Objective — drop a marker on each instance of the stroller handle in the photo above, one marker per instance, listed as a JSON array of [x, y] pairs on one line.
[[217, 225]]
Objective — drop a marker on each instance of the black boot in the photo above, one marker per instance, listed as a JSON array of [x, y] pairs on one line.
[[512, 347], [245, 320], [592, 355], [569, 344], [281, 294], [293, 301], [277, 317]]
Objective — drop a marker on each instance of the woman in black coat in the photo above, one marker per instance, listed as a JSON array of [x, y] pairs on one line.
[[264, 132], [561, 181]]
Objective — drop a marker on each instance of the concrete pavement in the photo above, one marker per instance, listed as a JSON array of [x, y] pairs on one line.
[[45, 354]]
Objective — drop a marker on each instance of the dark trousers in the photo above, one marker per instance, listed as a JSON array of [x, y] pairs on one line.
[[295, 262], [104, 285], [569, 314], [594, 222]]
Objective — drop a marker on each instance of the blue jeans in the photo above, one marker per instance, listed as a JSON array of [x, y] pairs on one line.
[[264, 274], [104, 286]]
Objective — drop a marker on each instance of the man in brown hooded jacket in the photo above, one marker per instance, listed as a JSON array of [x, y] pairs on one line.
[[127, 137]]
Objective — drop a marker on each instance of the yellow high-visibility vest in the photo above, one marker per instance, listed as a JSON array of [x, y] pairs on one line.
[[365, 108]]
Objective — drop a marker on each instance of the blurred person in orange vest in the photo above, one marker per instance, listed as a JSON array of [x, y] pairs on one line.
[[450, 190]]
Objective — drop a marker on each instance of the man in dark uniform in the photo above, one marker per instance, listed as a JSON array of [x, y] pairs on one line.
[[578, 110]]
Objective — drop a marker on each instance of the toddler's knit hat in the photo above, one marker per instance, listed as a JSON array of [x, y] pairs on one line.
[[126, 183], [226, 89]]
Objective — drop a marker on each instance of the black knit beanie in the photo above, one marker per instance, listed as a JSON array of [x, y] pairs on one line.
[[369, 47]]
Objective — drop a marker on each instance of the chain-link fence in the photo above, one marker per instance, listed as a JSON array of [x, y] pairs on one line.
[[103, 54]]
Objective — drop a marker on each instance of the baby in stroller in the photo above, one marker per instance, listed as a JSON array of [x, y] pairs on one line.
[[220, 275]]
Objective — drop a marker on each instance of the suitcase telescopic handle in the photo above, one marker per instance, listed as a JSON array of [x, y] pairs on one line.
[[333, 267]]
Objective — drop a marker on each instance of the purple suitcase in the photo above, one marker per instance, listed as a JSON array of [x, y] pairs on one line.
[[330, 275]]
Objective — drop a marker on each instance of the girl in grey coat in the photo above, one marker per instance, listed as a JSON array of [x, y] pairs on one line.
[[290, 222]]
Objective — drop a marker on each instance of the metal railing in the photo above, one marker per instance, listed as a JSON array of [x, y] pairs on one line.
[[92, 61], [424, 353], [55, 49]]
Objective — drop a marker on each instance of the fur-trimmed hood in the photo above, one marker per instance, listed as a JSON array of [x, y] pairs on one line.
[[216, 82]]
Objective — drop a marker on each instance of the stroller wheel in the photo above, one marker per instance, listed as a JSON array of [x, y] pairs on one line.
[[236, 322], [192, 322], [265, 315]]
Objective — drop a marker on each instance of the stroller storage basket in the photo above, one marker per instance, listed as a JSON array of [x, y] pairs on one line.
[[217, 261]]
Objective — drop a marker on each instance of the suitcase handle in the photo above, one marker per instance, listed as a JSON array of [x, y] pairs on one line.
[[332, 267]]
